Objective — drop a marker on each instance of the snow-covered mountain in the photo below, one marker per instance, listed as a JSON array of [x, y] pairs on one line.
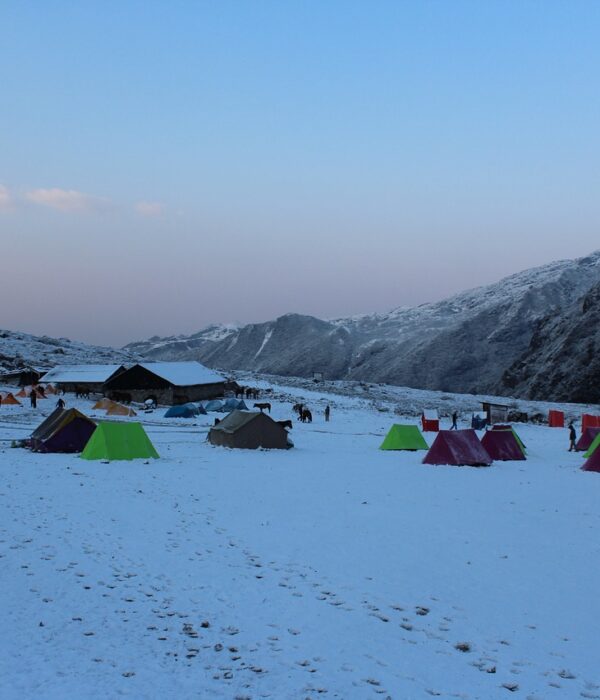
[[464, 343], [22, 349], [562, 362]]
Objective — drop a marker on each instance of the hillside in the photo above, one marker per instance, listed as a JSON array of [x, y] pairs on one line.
[[22, 349], [562, 362], [464, 343]]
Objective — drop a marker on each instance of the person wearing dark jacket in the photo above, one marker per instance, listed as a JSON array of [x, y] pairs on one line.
[[572, 437], [60, 403], [33, 398], [454, 421]]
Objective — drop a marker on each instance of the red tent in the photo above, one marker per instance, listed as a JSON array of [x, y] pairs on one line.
[[430, 421], [593, 462], [585, 441], [589, 421], [556, 419], [458, 447], [502, 445]]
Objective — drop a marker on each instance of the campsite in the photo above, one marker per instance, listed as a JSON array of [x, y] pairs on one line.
[[333, 569]]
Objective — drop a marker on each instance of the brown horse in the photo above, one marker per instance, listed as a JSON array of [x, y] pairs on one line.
[[286, 424], [263, 406], [306, 416]]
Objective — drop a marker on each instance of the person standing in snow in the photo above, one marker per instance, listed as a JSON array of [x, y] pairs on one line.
[[454, 421], [327, 413], [572, 437], [60, 403], [33, 398]]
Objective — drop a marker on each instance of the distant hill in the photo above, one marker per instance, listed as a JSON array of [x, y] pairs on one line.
[[22, 349], [461, 344]]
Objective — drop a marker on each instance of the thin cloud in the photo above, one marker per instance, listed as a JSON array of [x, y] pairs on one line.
[[149, 209], [5, 199], [66, 200]]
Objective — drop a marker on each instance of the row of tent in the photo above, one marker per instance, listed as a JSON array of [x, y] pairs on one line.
[[8, 399], [459, 447], [69, 430], [189, 410], [463, 447]]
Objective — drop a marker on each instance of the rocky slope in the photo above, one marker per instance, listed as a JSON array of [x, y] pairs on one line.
[[463, 344], [562, 362]]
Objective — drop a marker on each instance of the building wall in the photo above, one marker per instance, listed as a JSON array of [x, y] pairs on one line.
[[167, 396]]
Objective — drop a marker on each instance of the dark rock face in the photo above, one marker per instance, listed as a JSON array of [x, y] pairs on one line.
[[562, 362]]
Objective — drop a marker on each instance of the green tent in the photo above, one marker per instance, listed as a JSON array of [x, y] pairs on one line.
[[404, 437], [593, 447], [119, 441]]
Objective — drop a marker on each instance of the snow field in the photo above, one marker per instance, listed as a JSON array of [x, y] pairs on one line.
[[330, 570]]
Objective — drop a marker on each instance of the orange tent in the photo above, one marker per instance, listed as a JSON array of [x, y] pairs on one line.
[[103, 404], [118, 409], [49, 389], [9, 400], [26, 391]]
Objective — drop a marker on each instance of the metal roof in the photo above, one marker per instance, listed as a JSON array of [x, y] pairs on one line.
[[183, 373], [80, 374]]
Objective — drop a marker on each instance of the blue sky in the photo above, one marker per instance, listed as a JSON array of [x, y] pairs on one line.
[[168, 165]]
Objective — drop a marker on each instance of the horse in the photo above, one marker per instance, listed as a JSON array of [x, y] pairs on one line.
[[306, 416], [262, 406], [286, 424], [297, 408], [239, 391]]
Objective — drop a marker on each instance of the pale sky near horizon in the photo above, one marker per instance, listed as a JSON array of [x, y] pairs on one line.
[[164, 166]]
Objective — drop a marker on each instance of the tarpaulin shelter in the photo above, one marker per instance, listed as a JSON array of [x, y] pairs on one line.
[[586, 439], [502, 445], [430, 420], [404, 437], [119, 441], [185, 410], [459, 448], [556, 419], [249, 430], [65, 430]]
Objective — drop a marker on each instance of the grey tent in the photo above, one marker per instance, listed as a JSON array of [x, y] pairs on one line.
[[249, 430]]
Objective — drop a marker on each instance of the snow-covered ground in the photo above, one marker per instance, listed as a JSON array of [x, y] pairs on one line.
[[329, 570]]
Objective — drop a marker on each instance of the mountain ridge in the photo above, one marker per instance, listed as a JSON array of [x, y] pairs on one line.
[[463, 343]]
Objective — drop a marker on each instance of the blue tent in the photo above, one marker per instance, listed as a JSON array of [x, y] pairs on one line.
[[186, 410], [215, 405], [232, 404]]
